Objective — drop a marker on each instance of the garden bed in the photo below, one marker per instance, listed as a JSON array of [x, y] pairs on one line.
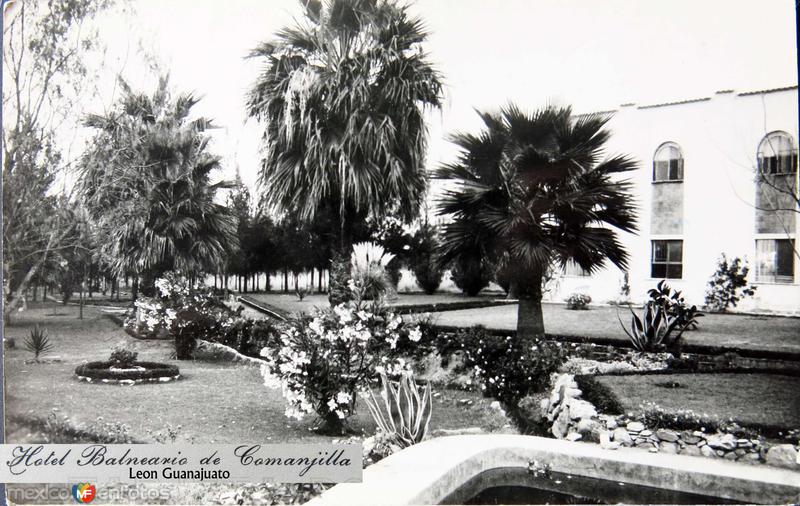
[[137, 372]]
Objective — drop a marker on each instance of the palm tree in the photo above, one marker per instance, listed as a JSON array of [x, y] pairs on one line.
[[147, 181], [342, 98], [537, 190]]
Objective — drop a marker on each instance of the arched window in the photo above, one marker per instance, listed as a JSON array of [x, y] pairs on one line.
[[668, 163], [776, 154]]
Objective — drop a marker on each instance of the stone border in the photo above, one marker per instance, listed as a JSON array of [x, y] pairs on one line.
[[429, 472], [129, 382]]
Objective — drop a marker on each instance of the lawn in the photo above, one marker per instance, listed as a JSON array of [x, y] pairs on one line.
[[289, 303], [773, 333], [762, 399], [214, 402]]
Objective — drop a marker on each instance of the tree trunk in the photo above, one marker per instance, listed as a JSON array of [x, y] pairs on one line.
[[135, 288], [530, 321], [528, 287]]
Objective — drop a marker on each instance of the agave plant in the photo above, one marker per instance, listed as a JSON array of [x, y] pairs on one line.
[[404, 412], [368, 269], [675, 304], [657, 329], [38, 343]]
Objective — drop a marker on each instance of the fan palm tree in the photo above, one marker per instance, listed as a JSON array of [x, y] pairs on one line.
[[147, 181], [536, 190], [342, 98]]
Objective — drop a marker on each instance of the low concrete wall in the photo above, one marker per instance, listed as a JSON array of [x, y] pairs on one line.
[[429, 472]]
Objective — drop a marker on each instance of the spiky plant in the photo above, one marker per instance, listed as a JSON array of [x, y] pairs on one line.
[[538, 189], [403, 412], [38, 343]]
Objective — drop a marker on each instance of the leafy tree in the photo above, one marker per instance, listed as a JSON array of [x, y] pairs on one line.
[[44, 74], [728, 284], [536, 188], [342, 98], [147, 182]]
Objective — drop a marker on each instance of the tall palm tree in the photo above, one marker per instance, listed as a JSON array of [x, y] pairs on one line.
[[342, 98], [537, 189], [147, 181]]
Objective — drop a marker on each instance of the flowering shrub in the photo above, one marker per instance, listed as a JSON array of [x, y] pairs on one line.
[[123, 357], [183, 312], [578, 301], [368, 263], [321, 362], [506, 368]]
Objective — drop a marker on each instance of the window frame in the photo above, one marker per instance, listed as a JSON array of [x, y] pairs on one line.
[[792, 155], [667, 263], [775, 279], [679, 163]]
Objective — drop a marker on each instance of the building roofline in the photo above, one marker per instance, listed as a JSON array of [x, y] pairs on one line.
[[693, 100], [770, 90]]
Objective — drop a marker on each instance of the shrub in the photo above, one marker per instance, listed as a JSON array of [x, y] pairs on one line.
[[728, 284], [38, 343], [472, 275], [404, 413], [424, 264], [507, 369], [301, 293], [322, 361], [122, 357], [186, 312], [578, 301], [368, 273]]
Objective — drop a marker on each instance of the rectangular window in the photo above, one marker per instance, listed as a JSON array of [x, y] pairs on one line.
[[775, 260], [573, 269], [668, 170], [778, 164], [667, 260]]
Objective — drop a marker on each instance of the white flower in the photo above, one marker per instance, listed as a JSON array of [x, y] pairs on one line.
[[415, 335], [343, 398]]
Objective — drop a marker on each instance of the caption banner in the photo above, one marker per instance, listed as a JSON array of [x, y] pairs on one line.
[[127, 463]]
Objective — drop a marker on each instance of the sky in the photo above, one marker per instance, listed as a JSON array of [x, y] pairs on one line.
[[592, 55]]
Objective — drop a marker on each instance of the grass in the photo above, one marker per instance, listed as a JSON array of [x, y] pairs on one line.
[[215, 402], [756, 399], [771, 333], [289, 303]]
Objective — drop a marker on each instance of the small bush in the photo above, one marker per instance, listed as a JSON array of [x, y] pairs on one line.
[[472, 275], [728, 285], [423, 262], [507, 368], [122, 357], [301, 293], [579, 301]]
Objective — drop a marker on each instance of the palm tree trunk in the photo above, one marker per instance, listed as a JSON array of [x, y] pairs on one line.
[[530, 320]]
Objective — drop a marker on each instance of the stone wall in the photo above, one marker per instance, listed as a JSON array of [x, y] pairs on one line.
[[575, 419]]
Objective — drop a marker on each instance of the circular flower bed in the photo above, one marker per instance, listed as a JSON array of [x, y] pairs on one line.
[[137, 372]]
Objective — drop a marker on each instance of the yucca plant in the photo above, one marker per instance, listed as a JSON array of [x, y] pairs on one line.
[[404, 411], [38, 343]]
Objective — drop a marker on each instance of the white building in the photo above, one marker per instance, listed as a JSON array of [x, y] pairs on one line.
[[700, 197]]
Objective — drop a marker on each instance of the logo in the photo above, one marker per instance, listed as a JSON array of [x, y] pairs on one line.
[[84, 492]]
